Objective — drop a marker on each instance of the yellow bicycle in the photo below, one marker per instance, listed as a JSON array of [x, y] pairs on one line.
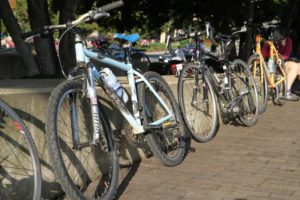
[[271, 77]]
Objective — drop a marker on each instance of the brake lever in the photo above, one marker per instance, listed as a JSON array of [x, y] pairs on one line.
[[99, 15]]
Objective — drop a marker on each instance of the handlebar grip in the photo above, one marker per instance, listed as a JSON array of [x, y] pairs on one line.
[[110, 6], [36, 33], [29, 34]]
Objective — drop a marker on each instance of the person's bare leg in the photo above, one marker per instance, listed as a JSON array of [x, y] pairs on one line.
[[292, 71]]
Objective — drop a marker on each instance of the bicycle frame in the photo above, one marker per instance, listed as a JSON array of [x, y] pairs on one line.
[[84, 55], [205, 70], [273, 52]]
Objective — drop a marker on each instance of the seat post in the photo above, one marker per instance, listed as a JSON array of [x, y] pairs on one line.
[[127, 51]]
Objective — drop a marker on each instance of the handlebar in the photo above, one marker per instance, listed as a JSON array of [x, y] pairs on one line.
[[188, 35], [271, 24], [88, 16], [210, 32], [266, 25], [170, 39], [243, 29]]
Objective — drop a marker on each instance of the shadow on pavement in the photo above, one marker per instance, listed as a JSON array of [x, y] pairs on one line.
[[126, 181]]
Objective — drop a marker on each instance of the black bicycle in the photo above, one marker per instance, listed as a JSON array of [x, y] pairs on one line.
[[20, 171], [201, 85]]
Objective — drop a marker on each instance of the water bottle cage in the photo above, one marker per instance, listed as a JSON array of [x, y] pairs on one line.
[[110, 92], [80, 65]]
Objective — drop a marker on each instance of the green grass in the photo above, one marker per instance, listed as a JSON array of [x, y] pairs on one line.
[[154, 47], [161, 46]]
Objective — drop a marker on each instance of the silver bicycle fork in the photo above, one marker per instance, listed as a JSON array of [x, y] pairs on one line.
[[89, 90]]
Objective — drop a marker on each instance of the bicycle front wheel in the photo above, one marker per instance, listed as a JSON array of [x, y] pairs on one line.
[[280, 88], [244, 93], [84, 168], [170, 142], [260, 79], [20, 171], [198, 103]]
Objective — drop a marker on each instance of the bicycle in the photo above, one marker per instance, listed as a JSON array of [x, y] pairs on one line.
[[155, 113], [270, 78], [200, 87], [20, 171]]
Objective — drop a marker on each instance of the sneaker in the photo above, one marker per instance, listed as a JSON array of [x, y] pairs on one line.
[[291, 97]]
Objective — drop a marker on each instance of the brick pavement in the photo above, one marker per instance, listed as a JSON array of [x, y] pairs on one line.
[[257, 163]]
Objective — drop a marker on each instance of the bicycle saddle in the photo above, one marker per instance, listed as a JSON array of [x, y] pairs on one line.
[[129, 38]]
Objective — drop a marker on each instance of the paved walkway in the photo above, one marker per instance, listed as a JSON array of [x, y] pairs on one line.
[[257, 163]]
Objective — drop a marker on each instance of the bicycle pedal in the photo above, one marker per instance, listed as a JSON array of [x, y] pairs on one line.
[[117, 134], [192, 149], [279, 102], [167, 124], [162, 126], [242, 93], [235, 109], [182, 141]]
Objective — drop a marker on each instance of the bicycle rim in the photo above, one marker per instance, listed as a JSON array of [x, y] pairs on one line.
[[199, 113], [261, 82], [20, 171], [87, 171], [169, 144], [244, 88]]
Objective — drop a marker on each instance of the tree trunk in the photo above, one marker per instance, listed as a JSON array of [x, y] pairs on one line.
[[45, 48], [15, 31], [249, 33], [67, 49]]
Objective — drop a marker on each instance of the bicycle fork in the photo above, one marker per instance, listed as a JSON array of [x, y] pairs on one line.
[[196, 86], [90, 89]]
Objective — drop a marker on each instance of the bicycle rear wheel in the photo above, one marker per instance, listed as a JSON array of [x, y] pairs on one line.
[[20, 172], [169, 143], [244, 92], [140, 61], [198, 103], [261, 81], [84, 170]]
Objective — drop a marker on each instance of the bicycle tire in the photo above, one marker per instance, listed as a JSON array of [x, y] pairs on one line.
[[174, 152], [20, 169], [261, 82], [244, 83], [279, 91], [201, 117], [88, 166], [140, 61]]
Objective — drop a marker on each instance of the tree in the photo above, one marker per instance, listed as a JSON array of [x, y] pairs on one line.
[[146, 17], [47, 60], [67, 10], [14, 29]]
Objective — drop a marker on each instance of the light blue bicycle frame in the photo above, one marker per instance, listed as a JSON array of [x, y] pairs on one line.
[[84, 55]]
